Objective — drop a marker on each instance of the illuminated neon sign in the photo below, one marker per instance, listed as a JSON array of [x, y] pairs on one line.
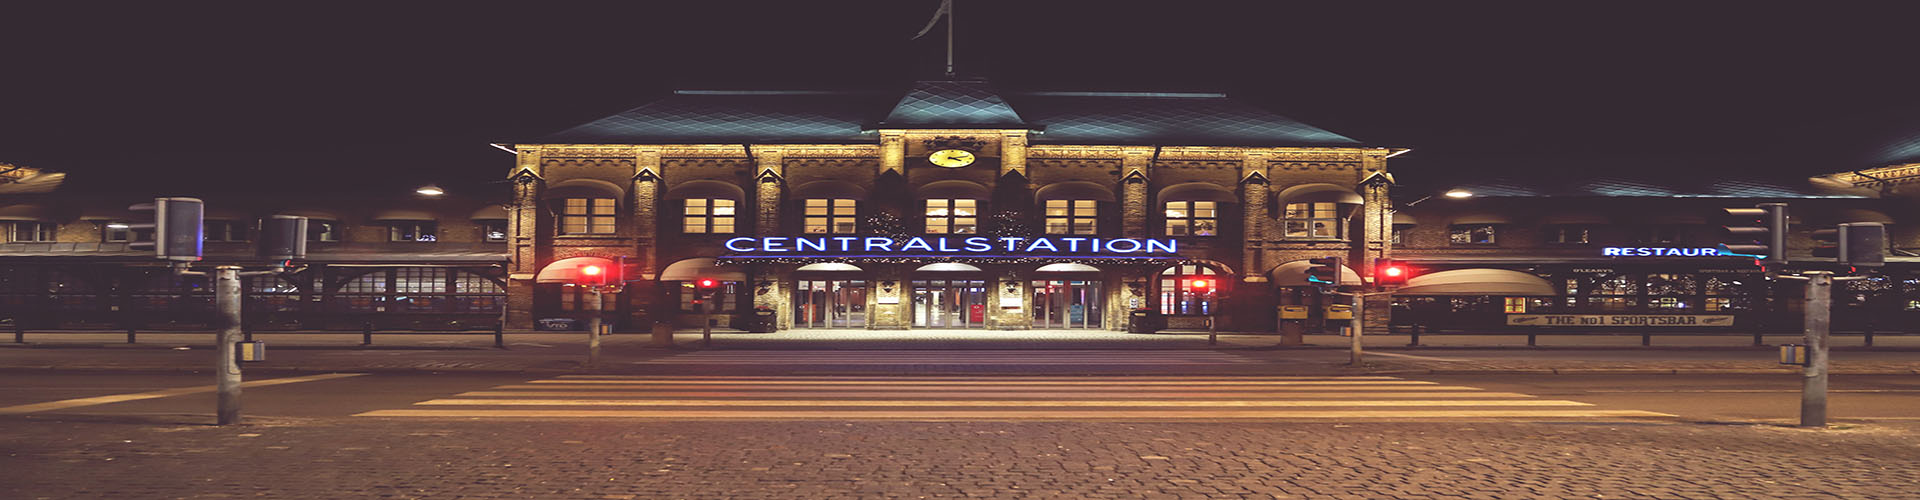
[[1660, 252], [957, 246]]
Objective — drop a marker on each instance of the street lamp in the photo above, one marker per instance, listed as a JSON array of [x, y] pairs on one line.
[[430, 190]]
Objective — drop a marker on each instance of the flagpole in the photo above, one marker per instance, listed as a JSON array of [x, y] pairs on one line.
[[949, 38]]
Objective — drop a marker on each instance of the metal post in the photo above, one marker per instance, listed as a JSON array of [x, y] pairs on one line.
[[1646, 339], [1533, 339], [227, 370], [130, 335], [593, 329], [1213, 334], [1819, 319], [1359, 300], [1413, 334], [19, 332], [706, 323], [1756, 339], [366, 333], [500, 335]]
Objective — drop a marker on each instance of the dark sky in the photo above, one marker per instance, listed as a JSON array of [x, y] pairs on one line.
[[173, 95]]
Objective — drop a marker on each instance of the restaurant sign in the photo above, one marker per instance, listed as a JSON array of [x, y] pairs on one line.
[[1661, 252], [1675, 320]]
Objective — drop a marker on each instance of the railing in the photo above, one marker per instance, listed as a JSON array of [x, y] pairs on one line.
[[1646, 338], [366, 333]]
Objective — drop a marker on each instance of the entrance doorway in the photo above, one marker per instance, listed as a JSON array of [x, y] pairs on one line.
[[949, 303], [830, 304], [1066, 304]]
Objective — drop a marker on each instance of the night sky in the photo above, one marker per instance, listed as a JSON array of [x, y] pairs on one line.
[[188, 97]]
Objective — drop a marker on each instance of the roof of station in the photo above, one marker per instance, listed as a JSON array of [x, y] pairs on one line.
[[1648, 187], [1107, 118]]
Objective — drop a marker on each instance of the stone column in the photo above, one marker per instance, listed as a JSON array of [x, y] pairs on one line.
[[888, 311], [769, 186], [1135, 209], [525, 253], [1376, 223], [646, 236], [1253, 201], [1011, 286]]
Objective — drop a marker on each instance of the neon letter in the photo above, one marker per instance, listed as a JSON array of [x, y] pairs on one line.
[[730, 243], [1114, 243], [1011, 242], [885, 245], [846, 242], [1038, 242], [773, 244], [978, 244], [916, 242], [818, 244], [1162, 246]]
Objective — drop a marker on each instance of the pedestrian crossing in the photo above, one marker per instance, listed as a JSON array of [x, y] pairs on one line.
[[1026, 398], [1047, 357]]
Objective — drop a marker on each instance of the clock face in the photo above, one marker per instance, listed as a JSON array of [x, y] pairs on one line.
[[951, 158]]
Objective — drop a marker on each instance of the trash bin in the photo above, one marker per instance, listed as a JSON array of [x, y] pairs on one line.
[[763, 321], [1139, 321]]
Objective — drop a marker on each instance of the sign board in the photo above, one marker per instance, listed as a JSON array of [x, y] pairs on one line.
[[933, 246], [1293, 312], [1339, 311], [1660, 252], [1674, 320]]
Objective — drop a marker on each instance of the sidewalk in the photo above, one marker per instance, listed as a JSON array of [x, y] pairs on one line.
[[561, 352]]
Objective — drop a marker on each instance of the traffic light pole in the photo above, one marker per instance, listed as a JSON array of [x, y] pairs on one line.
[[593, 328], [1819, 322], [227, 369], [1358, 323]]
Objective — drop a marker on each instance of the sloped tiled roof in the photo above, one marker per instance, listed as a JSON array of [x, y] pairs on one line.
[[1124, 118], [707, 117], [957, 104], [1158, 118], [1650, 187]]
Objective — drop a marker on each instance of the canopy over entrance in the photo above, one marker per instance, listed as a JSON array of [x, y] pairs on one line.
[[829, 266], [1295, 274], [704, 267], [568, 270], [1477, 282]]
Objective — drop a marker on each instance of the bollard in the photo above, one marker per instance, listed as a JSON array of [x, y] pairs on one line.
[[500, 335], [1414, 333], [1756, 339], [129, 335], [1532, 340], [366, 333], [1646, 339], [1213, 336], [19, 332], [1869, 336]]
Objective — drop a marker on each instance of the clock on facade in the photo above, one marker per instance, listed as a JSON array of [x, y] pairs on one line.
[[951, 158]]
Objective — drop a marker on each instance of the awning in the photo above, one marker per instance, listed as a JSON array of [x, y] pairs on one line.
[[829, 267], [107, 213], [1477, 282], [386, 215], [946, 266], [697, 268], [24, 212], [490, 212], [1591, 219], [1481, 218], [1402, 219], [1295, 274], [1067, 267], [568, 270], [1320, 193]]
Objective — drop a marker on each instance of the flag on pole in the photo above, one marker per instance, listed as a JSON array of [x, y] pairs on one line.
[[946, 8]]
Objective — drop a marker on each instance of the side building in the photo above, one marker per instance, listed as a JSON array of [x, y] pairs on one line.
[[952, 205]]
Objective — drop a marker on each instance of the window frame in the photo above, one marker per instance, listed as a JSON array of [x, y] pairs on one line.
[[596, 216], [42, 232], [708, 219], [487, 232], [950, 220], [1178, 299], [831, 216], [429, 229], [1557, 234], [231, 231], [1073, 213], [1316, 212], [1492, 232], [1190, 218], [324, 230]]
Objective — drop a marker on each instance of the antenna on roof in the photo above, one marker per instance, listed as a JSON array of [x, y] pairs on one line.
[[946, 10]]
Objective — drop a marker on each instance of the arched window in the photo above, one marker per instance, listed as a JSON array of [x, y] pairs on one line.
[[1193, 208], [953, 216], [708, 207], [1072, 216], [585, 206], [1188, 289], [830, 215]]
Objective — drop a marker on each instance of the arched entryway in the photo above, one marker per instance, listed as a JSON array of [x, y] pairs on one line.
[[830, 295], [1068, 295], [949, 295]]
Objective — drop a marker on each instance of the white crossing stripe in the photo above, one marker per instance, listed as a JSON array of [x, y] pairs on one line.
[[956, 357], [116, 398], [1043, 398]]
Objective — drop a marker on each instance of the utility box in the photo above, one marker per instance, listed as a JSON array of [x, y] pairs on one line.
[[1339, 312], [1793, 354], [250, 351], [1293, 312], [1139, 321], [763, 321]]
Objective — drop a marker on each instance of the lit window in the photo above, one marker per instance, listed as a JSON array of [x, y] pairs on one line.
[[709, 215], [949, 216], [1188, 289], [493, 231], [1192, 218], [1576, 235], [584, 216], [830, 216], [1717, 304], [1313, 220], [323, 230], [116, 232], [422, 230], [1071, 216], [1399, 236], [1480, 234], [224, 230], [1516, 305], [31, 232]]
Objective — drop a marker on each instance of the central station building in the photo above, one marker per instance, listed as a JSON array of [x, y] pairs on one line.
[[948, 205]]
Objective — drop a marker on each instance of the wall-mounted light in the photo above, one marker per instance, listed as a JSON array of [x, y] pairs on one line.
[[430, 190], [1459, 193]]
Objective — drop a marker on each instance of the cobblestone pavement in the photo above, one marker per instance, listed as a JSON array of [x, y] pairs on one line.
[[92, 457]]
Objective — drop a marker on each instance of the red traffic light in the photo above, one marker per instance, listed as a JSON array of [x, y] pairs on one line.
[[590, 270], [1200, 284], [706, 283], [1391, 272]]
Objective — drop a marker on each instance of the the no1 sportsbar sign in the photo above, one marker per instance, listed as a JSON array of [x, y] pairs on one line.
[[970, 246]]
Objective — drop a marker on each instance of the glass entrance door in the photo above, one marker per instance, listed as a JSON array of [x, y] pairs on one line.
[[949, 303], [830, 304], [1066, 304]]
